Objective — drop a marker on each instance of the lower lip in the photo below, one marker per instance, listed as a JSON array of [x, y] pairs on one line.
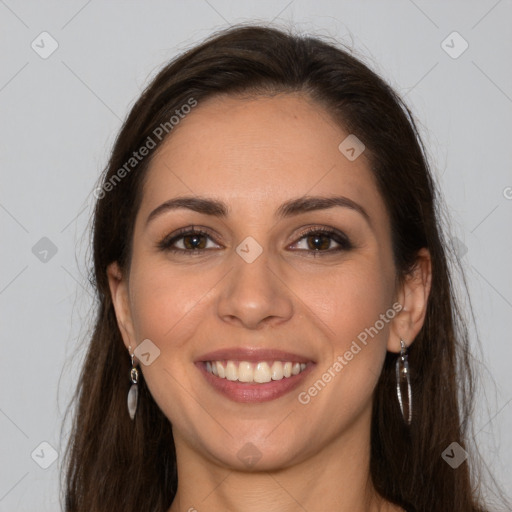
[[246, 392]]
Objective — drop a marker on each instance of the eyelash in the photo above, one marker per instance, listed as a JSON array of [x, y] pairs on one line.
[[340, 238]]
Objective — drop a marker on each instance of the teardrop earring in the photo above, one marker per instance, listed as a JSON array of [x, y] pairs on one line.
[[133, 394]]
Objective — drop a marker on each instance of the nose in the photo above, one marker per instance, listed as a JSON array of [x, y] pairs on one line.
[[255, 295]]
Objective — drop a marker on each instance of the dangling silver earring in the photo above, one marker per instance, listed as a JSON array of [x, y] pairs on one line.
[[403, 378], [133, 394]]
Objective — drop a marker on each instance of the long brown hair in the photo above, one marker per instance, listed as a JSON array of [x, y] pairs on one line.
[[115, 464]]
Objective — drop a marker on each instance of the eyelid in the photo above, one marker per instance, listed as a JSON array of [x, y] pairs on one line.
[[165, 243], [343, 241]]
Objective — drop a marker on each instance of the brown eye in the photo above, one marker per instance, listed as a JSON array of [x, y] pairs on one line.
[[323, 240], [196, 241], [318, 242], [188, 241]]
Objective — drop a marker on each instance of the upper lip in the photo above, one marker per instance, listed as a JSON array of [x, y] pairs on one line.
[[253, 355]]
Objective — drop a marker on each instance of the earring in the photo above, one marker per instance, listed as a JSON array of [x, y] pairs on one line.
[[403, 379], [133, 394]]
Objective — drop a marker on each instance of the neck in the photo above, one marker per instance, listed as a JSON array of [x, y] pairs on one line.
[[337, 478]]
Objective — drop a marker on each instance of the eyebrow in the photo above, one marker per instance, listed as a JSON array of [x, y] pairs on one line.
[[290, 208]]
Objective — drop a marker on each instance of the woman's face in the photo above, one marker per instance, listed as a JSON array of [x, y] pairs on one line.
[[275, 276]]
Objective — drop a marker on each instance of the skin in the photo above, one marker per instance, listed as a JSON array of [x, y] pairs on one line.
[[254, 154]]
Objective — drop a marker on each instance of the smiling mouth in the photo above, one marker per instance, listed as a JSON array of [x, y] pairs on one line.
[[257, 372]]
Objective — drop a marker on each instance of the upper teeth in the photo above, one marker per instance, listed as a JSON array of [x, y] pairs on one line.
[[261, 372]]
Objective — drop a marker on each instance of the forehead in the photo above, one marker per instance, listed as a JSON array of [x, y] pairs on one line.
[[258, 152]]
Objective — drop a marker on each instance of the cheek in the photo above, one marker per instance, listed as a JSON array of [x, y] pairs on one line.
[[356, 306], [165, 300], [350, 299], [170, 303], [168, 307]]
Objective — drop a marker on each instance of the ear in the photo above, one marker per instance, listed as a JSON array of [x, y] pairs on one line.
[[413, 297], [120, 298]]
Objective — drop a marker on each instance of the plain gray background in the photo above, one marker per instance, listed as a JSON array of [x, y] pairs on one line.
[[59, 117]]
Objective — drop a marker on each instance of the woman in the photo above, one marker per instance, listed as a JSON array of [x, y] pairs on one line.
[[276, 328]]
